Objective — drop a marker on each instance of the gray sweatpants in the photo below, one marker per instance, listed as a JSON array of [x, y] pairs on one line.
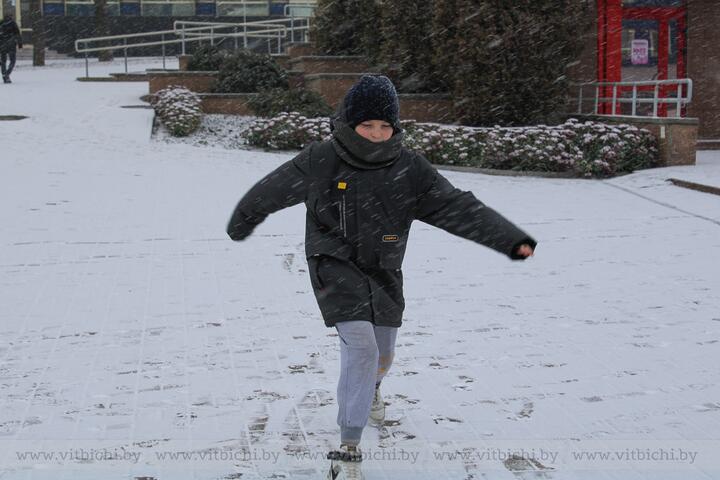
[[366, 353]]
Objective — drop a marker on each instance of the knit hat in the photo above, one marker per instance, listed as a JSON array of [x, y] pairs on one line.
[[373, 97]]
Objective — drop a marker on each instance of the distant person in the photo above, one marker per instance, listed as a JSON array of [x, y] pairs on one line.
[[9, 38]]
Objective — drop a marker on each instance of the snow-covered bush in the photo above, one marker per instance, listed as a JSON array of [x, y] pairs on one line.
[[288, 131], [179, 109], [610, 149], [583, 148]]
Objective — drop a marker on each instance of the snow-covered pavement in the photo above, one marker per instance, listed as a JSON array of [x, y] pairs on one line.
[[138, 341]]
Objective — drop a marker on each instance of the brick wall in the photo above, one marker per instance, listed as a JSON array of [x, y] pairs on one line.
[[704, 65]]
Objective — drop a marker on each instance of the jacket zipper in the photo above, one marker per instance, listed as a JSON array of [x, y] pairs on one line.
[[343, 219]]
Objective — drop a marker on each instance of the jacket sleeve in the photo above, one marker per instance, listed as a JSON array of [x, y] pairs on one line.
[[283, 187], [442, 205]]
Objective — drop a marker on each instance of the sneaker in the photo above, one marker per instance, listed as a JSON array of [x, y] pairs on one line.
[[377, 410], [6, 79], [345, 463]]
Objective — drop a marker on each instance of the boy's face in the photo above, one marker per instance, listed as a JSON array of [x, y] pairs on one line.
[[375, 130]]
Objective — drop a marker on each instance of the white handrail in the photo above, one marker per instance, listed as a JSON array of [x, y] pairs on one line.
[[682, 98], [269, 29]]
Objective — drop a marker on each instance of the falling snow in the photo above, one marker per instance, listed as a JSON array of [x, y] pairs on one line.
[[133, 327]]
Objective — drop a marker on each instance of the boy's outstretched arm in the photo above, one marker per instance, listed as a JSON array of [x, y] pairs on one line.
[[460, 213], [283, 187]]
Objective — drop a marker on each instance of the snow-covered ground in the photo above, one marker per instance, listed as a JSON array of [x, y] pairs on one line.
[[133, 330], [218, 130]]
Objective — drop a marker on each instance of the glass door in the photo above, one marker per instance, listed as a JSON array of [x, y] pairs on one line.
[[641, 40], [653, 47]]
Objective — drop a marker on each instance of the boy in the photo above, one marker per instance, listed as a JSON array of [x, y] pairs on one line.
[[362, 191]]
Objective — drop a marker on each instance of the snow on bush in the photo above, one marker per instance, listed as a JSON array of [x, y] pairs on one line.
[[179, 110], [583, 148], [288, 131]]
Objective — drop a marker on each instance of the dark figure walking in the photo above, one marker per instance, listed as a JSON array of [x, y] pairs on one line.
[[10, 38]]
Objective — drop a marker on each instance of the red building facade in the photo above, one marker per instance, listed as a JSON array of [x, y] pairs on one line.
[[636, 40]]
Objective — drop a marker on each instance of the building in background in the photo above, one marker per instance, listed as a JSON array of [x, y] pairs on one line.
[[630, 40], [68, 20], [634, 40], [164, 8]]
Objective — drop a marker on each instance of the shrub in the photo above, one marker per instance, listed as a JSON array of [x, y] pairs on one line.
[[288, 131], [584, 149], [179, 109], [248, 72], [511, 59], [407, 46], [611, 149], [347, 27], [444, 29], [269, 103], [206, 58]]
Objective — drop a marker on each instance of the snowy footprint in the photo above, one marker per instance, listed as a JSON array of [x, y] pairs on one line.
[[527, 468]]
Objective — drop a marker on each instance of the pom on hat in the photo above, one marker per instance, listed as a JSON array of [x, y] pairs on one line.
[[373, 97]]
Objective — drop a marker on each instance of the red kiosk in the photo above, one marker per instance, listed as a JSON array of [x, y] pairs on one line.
[[615, 22]]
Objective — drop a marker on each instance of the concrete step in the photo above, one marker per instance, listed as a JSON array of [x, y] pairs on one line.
[[137, 76], [130, 77], [707, 144], [118, 77]]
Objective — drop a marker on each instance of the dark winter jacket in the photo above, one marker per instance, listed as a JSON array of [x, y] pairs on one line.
[[9, 36], [361, 198]]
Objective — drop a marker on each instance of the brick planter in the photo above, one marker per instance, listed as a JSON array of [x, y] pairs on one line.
[[198, 82], [332, 86], [226, 103], [281, 59], [676, 137], [300, 49], [426, 107], [183, 61], [310, 65], [295, 79], [420, 107], [703, 144]]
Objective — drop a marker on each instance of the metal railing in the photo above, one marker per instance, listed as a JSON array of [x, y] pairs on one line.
[[272, 30], [290, 12], [608, 97]]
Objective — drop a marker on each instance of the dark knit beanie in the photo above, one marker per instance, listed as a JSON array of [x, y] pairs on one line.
[[373, 97]]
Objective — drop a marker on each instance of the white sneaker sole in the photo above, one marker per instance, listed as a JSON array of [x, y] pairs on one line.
[[336, 473]]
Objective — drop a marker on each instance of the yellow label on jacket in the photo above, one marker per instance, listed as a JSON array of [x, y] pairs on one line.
[[342, 185], [390, 238]]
